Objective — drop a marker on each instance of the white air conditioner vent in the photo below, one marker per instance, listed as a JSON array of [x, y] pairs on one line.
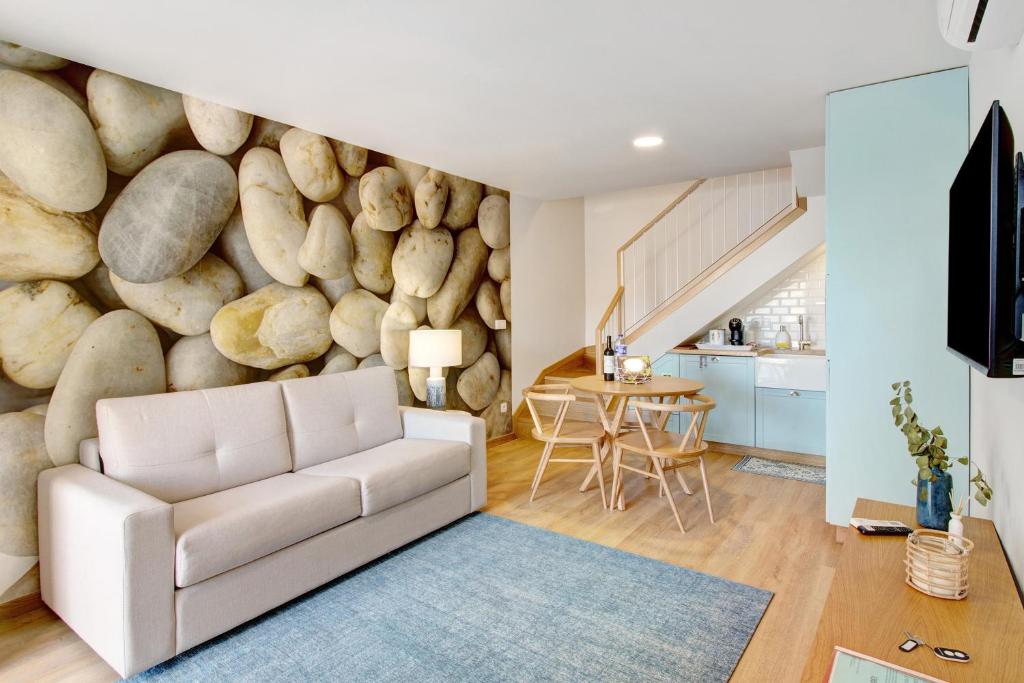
[[981, 24]]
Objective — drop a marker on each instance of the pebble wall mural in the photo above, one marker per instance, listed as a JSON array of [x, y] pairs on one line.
[[151, 241]]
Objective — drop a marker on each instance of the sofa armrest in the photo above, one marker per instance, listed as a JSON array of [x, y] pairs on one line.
[[89, 454], [422, 423], [106, 565]]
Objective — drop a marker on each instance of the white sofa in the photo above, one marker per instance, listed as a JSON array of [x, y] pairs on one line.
[[194, 512]]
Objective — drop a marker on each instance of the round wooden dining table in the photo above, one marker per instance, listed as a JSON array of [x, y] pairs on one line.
[[613, 397]]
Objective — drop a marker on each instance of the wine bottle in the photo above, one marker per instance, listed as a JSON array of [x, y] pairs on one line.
[[609, 361]]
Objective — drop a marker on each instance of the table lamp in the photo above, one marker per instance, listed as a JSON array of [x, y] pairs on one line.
[[435, 349]]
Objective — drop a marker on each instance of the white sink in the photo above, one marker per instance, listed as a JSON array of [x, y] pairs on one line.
[[791, 371]]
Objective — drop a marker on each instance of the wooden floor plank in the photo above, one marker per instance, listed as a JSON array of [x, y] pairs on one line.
[[770, 534]]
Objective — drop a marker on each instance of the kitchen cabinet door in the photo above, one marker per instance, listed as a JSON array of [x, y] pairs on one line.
[[729, 380], [789, 420]]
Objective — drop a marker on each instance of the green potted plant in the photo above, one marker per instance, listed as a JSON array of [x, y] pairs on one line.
[[928, 449]]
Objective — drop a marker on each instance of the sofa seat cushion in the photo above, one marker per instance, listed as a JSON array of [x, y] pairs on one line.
[[399, 470], [229, 528]]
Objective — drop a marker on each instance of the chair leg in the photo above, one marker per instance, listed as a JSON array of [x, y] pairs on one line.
[[600, 472], [616, 499], [541, 466], [707, 490], [682, 482], [672, 503], [593, 472]]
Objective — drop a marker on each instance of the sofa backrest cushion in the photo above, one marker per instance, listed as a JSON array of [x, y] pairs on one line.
[[180, 446], [331, 416]]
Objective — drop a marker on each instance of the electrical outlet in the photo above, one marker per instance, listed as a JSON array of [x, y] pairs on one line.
[[504, 406], [500, 324]]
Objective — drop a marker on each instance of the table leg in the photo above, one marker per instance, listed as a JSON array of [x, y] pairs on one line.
[[602, 415]]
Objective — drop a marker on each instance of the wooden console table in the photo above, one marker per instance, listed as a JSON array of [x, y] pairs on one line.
[[870, 606]]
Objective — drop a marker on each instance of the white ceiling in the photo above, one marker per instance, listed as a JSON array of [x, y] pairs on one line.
[[538, 96]]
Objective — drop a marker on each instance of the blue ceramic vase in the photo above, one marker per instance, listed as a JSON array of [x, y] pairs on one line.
[[933, 504]]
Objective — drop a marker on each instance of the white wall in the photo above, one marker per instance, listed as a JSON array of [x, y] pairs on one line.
[[547, 285], [997, 431], [611, 218]]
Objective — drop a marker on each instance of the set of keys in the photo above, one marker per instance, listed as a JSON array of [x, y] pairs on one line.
[[948, 653]]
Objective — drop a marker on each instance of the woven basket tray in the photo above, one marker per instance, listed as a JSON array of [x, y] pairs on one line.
[[937, 564]]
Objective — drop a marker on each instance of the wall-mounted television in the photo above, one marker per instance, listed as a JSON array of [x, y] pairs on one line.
[[984, 288]]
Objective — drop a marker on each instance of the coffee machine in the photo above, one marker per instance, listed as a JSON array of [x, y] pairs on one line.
[[736, 332]]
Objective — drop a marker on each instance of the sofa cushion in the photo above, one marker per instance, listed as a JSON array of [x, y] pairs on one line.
[[399, 470], [183, 445], [230, 528], [335, 415]]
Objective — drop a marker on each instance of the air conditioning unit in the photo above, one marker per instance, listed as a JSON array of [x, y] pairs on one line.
[[981, 24]]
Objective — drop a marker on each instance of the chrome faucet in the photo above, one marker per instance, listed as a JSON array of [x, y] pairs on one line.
[[802, 343]]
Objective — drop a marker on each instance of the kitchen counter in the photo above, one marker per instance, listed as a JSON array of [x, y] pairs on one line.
[[762, 351]]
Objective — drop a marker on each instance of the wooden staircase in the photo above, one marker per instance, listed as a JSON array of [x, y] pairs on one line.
[[702, 234]]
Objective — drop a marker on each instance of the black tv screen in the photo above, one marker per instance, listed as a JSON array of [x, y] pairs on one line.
[[983, 322]]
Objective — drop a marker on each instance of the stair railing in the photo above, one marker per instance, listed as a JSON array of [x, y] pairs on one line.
[[712, 225]]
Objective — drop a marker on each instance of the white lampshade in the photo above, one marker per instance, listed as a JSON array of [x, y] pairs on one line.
[[435, 348]]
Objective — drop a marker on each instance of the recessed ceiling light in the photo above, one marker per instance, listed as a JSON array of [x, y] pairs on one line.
[[648, 141]]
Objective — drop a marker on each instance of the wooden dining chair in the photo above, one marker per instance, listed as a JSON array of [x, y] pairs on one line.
[[667, 451], [559, 432]]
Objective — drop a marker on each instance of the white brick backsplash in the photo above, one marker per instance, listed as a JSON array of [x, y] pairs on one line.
[[800, 292]]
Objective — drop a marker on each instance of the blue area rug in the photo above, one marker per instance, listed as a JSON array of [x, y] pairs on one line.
[[812, 474], [488, 599]]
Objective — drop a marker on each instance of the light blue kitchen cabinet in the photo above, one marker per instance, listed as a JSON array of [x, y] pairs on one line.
[[791, 420], [729, 380], [667, 365]]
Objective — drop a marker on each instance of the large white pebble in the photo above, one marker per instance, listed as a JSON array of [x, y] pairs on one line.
[[338, 359], [39, 324], [488, 303], [185, 303], [27, 58], [274, 218], [195, 363], [493, 219], [54, 81], [356, 322], [327, 250], [503, 344], [490, 190], [421, 260], [336, 288], [463, 201], [385, 198], [404, 386], [298, 371], [134, 121], [474, 336], [234, 248], [460, 285], [351, 158], [372, 361], [410, 170], [418, 305], [373, 251], [37, 242], [48, 147], [273, 327], [478, 384], [267, 133], [168, 216], [219, 129], [22, 458], [430, 197], [348, 200], [311, 164], [97, 282], [500, 423], [506, 299], [499, 265], [118, 355], [398, 319]]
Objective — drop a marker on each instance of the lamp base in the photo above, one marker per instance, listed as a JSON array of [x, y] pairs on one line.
[[436, 393]]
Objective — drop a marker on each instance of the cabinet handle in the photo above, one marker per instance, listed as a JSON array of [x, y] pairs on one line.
[[714, 359], [794, 393]]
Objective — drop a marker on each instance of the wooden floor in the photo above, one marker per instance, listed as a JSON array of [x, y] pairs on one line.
[[770, 534]]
